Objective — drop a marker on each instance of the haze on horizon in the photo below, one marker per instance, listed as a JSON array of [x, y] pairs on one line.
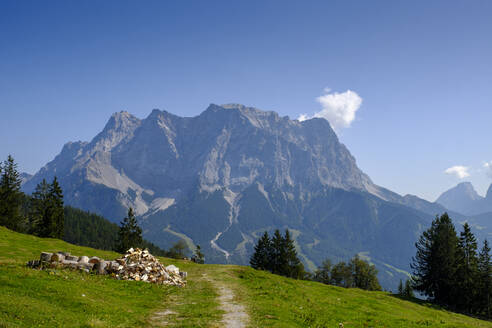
[[405, 85]]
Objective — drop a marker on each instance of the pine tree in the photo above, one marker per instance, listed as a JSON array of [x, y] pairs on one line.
[[56, 226], [408, 290], [484, 295], [291, 265], [434, 265], [198, 257], [47, 215], [400, 288], [40, 218], [262, 257], [10, 196], [278, 259], [130, 234], [466, 271]]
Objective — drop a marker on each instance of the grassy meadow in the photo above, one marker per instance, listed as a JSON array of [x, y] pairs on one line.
[[65, 298]]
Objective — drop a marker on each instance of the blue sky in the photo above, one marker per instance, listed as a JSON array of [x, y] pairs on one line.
[[422, 69]]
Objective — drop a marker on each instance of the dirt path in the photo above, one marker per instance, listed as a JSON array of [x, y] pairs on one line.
[[235, 315]]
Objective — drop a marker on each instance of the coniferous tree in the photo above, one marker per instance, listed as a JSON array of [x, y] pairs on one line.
[[57, 214], [47, 215], [278, 259], [408, 290], [291, 265], [484, 295], [10, 196], [434, 266], [466, 271], [400, 288], [262, 257], [40, 219], [130, 234], [198, 257]]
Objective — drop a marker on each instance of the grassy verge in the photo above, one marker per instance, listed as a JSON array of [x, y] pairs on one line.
[[278, 302]]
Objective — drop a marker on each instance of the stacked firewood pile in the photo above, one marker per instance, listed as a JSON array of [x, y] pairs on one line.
[[136, 264]]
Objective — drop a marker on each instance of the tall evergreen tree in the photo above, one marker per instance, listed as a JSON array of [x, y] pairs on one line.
[[323, 273], [198, 257], [278, 258], [130, 234], [400, 288], [261, 258], [466, 271], [11, 196], [57, 214], [291, 265], [47, 215], [408, 290], [484, 295], [434, 266], [40, 218]]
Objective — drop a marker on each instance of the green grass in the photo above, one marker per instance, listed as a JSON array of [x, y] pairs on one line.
[[278, 302], [65, 298]]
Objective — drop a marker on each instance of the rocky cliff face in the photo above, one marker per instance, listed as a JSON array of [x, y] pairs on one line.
[[223, 177], [149, 163]]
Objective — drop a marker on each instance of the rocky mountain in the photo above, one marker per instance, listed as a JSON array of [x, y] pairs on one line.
[[25, 177], [464, 199], [221, 178]]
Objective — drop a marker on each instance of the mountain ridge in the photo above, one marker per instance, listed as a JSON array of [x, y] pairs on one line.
[[222, 177]]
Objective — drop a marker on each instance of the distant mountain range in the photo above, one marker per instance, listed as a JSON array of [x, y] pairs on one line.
[[221, 178], [464, 199]]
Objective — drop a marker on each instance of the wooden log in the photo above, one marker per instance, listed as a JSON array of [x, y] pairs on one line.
[[69, 264], [100, 267], [83, 259], [85, 266], [95, 260], [57, 257], [72, 258], [112, 266], [45, 257]]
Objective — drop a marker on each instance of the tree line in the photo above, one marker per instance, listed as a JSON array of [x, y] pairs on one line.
[[43, 214], [450, 271], [279, 256], [357, 273]]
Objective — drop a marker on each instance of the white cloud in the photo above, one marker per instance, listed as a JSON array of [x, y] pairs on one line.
[[459, 171], [337, 108], [488, 168]]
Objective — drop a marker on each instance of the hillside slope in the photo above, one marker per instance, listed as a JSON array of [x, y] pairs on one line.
[[31, 298]]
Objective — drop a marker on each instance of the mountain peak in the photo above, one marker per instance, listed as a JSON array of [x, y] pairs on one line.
[[461, 198]]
